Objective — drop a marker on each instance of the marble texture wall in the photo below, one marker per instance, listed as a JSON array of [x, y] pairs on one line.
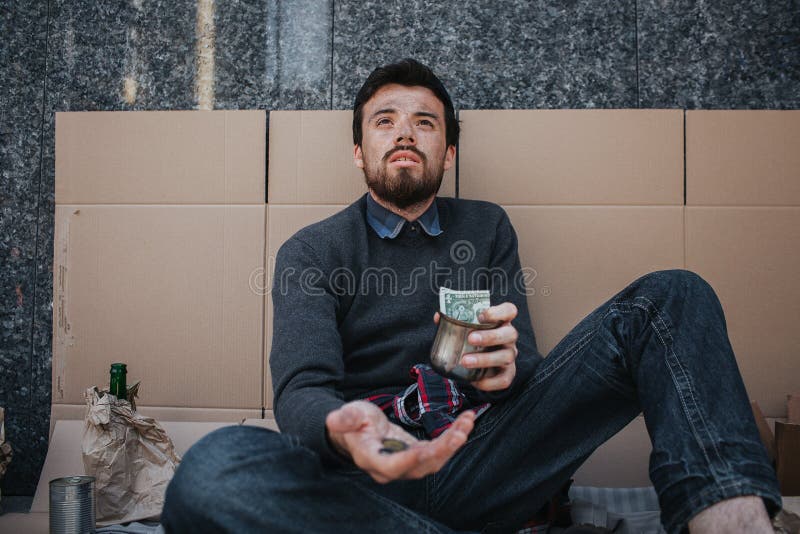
[[62, 55]]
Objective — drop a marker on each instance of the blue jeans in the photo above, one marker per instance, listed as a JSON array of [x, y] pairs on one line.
[[660, 347]]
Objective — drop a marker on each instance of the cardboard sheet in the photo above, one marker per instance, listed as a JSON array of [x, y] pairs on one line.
[[569, 156], [160, 157], [165, 289], [743, 157]]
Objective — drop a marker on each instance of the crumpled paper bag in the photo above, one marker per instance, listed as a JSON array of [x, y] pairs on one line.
[[131, 457], [5, 447]]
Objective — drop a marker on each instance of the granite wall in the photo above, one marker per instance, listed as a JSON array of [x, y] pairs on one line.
[[62, 55]]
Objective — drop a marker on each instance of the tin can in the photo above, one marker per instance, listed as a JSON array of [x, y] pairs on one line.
[[72, 505], [451, 343]]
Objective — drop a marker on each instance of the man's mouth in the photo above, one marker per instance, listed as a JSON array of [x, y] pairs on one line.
[[405, 158]]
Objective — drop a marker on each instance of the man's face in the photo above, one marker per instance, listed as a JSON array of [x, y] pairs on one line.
[[403, 150]]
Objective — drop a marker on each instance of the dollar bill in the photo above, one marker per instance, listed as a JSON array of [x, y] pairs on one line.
[[463, 305]]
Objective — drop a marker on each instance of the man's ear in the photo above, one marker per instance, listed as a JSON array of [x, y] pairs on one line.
[[449, 157], [358, 156]]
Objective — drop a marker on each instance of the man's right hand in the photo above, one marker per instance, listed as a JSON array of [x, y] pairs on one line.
[[358, 428]]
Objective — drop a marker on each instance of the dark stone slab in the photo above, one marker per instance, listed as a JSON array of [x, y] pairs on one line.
[[150, 44], [521, 54], [709, 55], [96, 46], [41, 357], [18, 231], [22, 73], [273, 54]]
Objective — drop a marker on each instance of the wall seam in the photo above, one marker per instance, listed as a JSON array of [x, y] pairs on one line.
[[38, 215], [684, 157], [458, 153], [636, 27], [333, 29]]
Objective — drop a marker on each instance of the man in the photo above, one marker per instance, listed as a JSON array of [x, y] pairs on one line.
[[348, 367]]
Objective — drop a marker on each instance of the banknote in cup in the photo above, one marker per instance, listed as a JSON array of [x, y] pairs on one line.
[[463, 306]]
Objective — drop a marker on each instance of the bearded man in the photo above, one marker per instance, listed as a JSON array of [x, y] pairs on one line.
[[350, 374]]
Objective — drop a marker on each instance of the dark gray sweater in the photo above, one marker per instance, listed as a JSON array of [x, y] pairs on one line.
[[354, 312]]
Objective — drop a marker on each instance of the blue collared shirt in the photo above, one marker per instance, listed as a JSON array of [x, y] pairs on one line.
[[388, 225]]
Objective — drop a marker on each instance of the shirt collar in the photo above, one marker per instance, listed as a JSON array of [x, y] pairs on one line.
[[388, 224]]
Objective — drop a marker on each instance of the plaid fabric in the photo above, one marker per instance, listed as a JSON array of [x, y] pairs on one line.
[[432, 402]]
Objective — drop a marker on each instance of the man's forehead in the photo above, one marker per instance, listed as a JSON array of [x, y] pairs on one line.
[[406, 98]]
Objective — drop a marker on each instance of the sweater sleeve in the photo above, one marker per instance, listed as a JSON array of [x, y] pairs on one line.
[[511, 288], [306, 357]]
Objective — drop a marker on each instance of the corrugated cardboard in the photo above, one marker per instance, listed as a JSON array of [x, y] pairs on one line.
[[743, 157], [165, 289], [629, 448], [751, 258], [176, 286], [64, 455], [787, 444], [572, 156], [33, 523], [160, 157], [764, 430], [62, 412], [583, 255], [793, 408], [283, 222], [311, 159]]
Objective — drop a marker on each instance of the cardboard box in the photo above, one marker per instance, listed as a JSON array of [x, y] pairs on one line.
[[160, 229], [165, 289], [65, 412], [787, 445], [743, 157], [629, 448], [161, 263], [793, 408], [160, 157], [582, 255], [764, 431], [311, 159], [33, 523], [600, 156], [750, 257]]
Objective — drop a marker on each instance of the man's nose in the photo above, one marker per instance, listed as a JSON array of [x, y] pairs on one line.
[[405, 134]]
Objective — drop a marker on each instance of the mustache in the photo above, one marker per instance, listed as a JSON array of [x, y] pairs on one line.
[[408, 148]]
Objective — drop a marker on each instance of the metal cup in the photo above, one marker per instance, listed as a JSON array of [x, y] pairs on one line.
[[72, 505], [451, 343]]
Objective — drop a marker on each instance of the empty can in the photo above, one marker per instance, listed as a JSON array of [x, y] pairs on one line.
[[72, 505]]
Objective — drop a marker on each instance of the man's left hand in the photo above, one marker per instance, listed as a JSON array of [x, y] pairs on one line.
[[502, 340]]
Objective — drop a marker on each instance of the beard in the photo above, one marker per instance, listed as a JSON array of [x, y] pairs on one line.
[[404, 189]]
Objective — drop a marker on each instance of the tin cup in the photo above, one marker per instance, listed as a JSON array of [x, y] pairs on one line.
[[72, 505], [450, 344]]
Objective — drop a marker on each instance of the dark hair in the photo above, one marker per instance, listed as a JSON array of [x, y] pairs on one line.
[[408, 72]]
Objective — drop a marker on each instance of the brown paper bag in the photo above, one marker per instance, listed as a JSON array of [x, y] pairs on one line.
[[131, 457]]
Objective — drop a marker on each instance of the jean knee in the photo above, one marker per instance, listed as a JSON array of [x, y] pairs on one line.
[[211, 456], [683, 282]]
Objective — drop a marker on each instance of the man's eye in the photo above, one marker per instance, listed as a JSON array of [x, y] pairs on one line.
[[425, 122], [382, 122]]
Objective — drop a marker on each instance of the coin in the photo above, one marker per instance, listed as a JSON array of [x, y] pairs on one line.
[[391, 446]]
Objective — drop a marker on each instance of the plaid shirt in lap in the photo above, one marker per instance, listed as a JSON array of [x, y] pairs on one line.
[[433, 402]]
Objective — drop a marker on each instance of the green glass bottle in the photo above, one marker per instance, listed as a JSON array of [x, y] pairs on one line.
[[117, 385]]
